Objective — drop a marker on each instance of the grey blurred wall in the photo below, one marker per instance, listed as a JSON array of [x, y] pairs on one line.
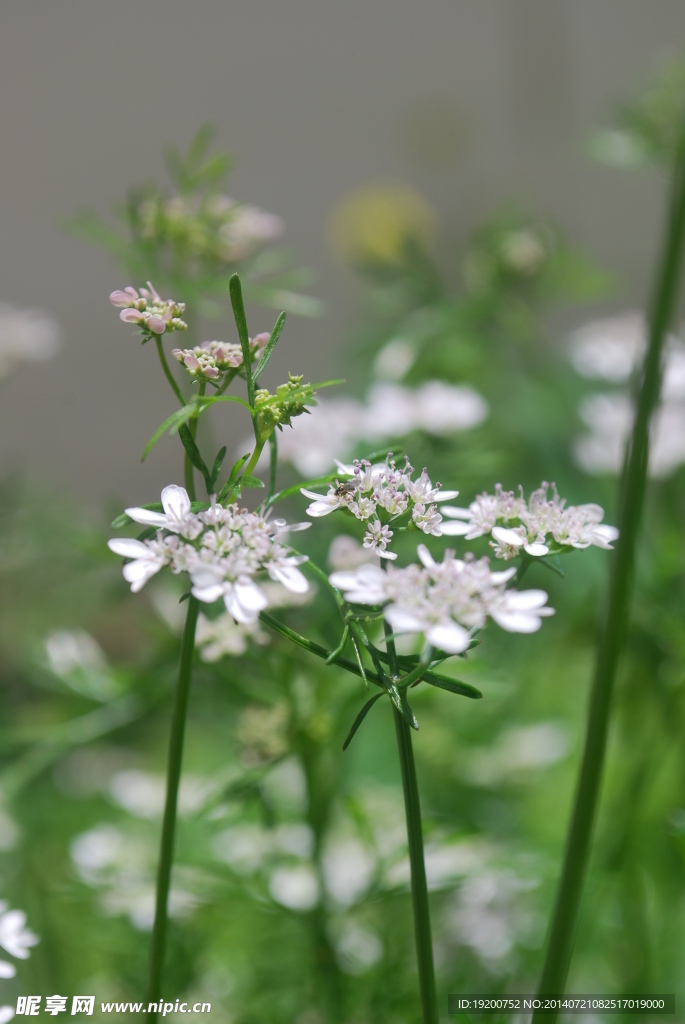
[[314, 98]]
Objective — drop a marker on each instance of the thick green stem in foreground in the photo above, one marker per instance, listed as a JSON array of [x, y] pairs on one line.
[[166, 853], [612, 632], [419, 886]]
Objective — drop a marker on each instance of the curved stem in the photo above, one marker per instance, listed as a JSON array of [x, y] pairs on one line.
[[167, 371], [166, 852], [612, 630], [254, 458], [419, 886]]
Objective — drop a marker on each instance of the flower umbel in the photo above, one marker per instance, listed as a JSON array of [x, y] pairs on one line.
[[212, 360], [540, 526], [382, 494], [144, 307], [221, 549], [444, 600]]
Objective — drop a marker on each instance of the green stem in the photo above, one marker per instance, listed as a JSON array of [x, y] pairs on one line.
[[167, 371], [612, 630], [419, 886], [321, 652], [166, 852], [259, 447]]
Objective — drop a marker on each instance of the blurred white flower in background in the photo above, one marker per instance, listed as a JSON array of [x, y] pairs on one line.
[[489, 914], [15, 939], [295, 886], [122, 865], [26, 336], [612, 350]]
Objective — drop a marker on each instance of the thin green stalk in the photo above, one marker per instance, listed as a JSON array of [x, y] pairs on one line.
[[167, 371], [254, 459], [613, 627], [419, 886], [166, 852]]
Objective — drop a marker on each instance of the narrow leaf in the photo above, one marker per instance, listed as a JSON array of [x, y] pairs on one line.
[[452, 685], [236, 294], [232, 477], [359, 719], [553, 562], [172, 422], [251, 481], [193, 452], [218, 462], [270, 346], [273, 463]]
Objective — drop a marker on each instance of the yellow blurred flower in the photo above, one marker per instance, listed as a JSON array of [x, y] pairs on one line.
[[374, 223]]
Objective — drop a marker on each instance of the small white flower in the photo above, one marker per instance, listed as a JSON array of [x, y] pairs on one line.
[[177, 516], [377, 538], [147, 559], [222, 549], [15, 937], [538, 526]]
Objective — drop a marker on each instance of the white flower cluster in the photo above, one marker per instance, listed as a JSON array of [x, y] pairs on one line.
[[145, 308], [445, 600], [212, 359], [381, 494], [222, 549], [17, 940], [538, 526], [611, 349], [26, 336], [390, 411]]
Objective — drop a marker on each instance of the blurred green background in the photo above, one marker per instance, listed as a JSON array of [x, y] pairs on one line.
[[474, 343]]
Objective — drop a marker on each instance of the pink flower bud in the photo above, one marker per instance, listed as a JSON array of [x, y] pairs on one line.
[[131, 316], [156, 324], [177, 353], [125, 298], [192, 362], [211, 371], [260, 340]]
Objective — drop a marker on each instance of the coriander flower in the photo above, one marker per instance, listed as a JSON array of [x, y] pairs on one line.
[[221, 549], [213, 359], [145, 308], [379, 495], [445, 601], [540, 526]]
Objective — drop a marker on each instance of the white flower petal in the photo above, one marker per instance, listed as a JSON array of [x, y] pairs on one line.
[[128, 548], [175, 501], [290, 577], [536, 550], [504, 536], [7, 970], [385, 554], [208, 592], [6, 1014], [454, 529], [425, 556], [404, 620], [445, 496], [139, 572], [146, 517], [449, 636], [454, 512]]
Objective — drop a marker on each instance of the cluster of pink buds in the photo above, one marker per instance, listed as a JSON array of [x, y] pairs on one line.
[[145, 308], [213, 359]]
